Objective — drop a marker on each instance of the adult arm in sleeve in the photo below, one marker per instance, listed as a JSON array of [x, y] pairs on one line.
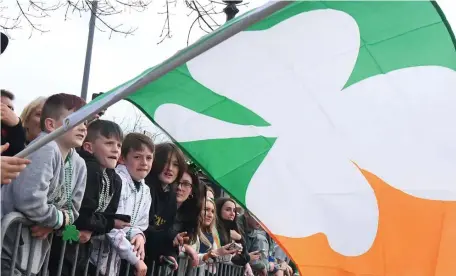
[[16, 139]]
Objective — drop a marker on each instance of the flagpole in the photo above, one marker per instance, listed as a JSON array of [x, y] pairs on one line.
[[88, 58], [168, 65]]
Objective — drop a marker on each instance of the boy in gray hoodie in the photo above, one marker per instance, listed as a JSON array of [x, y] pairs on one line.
[[49, 191]]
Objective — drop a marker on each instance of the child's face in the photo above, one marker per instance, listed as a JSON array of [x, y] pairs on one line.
[[74, 137], [139, 163], [170, 171], [105, 150]]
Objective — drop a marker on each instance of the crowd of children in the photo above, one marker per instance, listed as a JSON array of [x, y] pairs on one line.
[[93, 187]]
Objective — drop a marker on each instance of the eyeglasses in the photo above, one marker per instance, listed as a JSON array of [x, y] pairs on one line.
[[185, 184]]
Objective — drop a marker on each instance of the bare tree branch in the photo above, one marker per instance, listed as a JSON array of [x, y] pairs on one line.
[[28, 13], [138, 125], [33, 10], [166, 30], [205, 14]]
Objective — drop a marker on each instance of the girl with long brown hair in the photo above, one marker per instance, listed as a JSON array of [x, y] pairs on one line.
[[168, 167]]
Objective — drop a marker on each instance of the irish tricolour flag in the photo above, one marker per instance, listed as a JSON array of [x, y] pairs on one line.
[[335, 124]]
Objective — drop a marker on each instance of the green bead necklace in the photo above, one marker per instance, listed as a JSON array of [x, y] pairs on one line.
[[135, 212], [70, 233]]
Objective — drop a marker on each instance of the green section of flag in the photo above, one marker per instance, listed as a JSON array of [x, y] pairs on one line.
[[394, 35], [179, 87], [232, 162]]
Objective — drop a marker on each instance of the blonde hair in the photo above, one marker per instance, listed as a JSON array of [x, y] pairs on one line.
[[30, 108], [209, 189], [212, 227]]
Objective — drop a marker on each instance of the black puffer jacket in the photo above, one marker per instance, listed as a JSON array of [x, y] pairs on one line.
[[100, 222]]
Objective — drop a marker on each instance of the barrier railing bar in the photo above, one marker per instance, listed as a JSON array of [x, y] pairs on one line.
[[185, 268], [98, 260], [32, 249], [153, 269], [62, 255], [86, 268], [16, 247], [75, 264], [182, 265], [127, 270], [44, 269], [110, 254]]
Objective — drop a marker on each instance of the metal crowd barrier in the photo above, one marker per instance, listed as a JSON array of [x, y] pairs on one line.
[[184, 269]]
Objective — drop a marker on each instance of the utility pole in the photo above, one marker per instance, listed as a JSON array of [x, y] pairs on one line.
[[88, 58]]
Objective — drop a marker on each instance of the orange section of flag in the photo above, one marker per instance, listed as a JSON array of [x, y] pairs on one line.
[[415, 237]]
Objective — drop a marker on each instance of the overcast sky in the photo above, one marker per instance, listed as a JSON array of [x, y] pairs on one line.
[[53, 62]]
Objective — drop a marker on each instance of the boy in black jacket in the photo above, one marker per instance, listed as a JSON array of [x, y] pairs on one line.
[[101, 151]]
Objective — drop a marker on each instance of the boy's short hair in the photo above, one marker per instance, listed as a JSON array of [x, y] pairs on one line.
[[105, 128], [56, 104], [136, 141], [8, 94]]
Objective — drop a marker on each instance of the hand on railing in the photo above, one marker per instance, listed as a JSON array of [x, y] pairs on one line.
[[248, 270], [141, 268], [228, 249], [40, 232], [180, 239], [286, 268], [170, 261], [192, 255], [138, 244], [84, 236]]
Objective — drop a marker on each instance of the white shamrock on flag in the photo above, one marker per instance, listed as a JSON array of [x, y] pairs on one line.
[[399, 126]]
